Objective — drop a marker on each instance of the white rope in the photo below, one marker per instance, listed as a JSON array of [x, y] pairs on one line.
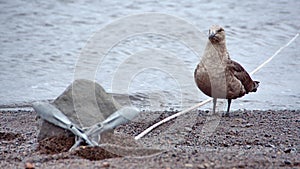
[[275, 54], [145, 132], [170, 118]]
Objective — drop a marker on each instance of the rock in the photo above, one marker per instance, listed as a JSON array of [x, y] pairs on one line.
[[269, 145], [48, 130], [201, 166], [188, 129], [287, 162], [205, 165], [240, 120], [105, 164], [85, 103], [290, 150], [249, 125], [248, 147], [188, 165], [29, 165]]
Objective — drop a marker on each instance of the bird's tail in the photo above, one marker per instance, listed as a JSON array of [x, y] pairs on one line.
[[255, 86]]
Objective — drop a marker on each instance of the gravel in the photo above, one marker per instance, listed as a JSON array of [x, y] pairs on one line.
[[246, 139]]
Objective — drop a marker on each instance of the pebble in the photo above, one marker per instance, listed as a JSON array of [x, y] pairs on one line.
[[248, 147], [270, 145], [290, 150], [240, 120], [287, 162], [225, 144], [105, 164], [202, 166], [249, 125], [194, 152], [189, 165], [29, 165], [188, 128]]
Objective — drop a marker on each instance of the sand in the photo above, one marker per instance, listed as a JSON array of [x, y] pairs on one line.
[[246, 139]]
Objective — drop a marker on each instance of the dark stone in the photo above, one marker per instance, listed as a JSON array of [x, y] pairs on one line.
[[85, 103], [287, 162]]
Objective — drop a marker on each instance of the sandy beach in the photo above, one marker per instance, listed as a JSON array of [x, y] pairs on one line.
[[246, 139]]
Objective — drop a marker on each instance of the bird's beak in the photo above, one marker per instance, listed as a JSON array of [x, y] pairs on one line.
[[211, 34]]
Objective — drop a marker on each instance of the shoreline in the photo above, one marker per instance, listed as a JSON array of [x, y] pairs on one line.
[[27, 105]]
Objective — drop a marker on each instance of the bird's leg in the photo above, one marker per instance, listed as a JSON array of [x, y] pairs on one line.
[[228, 107], [214, 105]]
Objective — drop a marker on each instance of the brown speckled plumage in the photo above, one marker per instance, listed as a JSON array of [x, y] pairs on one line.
[[217, 75]]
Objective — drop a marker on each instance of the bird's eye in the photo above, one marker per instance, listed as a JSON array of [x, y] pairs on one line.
[[220, 30]]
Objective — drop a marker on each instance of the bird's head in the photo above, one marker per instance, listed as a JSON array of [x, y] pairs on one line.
[[216, 34]]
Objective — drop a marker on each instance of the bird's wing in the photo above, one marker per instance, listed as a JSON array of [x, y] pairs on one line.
[[241, 74]]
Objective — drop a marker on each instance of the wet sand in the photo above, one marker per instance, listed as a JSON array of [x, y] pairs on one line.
[[247, 139]]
